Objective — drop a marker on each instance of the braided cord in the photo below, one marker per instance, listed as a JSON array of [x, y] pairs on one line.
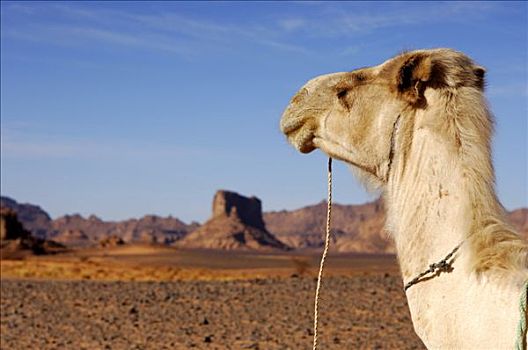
[[325, 252], [442, 265], [520, 342]]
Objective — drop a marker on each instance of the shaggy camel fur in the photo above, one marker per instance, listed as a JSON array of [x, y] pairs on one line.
[[417, 127]]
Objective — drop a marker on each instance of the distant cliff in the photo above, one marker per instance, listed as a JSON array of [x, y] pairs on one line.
[[17, 243], [236, 223], [356, 228], [76, 230], [34, 219]]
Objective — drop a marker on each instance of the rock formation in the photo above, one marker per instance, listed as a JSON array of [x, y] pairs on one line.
[[73, 238], [355, 228], [32, 217], [519, 220], [10, 226], [76, 230], [236, 223], [17, 242], [111, 241]]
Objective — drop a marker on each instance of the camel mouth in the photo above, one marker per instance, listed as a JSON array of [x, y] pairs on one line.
[[302, 139], [304, 142], [300, 133]]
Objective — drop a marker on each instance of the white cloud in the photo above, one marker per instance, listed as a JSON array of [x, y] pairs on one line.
[[168, 31], [351, 22], [21, 140], [186, 35], [292, 24], [147, 41]]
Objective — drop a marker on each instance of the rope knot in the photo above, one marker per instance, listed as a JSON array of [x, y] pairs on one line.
[[442, 265]]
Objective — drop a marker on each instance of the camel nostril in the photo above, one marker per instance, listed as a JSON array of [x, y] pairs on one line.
[[288, 126]]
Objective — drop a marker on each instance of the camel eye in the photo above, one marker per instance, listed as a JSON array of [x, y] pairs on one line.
[[342, 93]]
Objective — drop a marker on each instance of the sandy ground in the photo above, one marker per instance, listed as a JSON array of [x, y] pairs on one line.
[[158, 263], [201, 300], [362, 312]]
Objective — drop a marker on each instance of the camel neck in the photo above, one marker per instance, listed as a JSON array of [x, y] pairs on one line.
[[430, 206]]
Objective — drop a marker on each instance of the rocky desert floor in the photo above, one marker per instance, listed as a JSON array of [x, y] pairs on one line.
[[361, 308]]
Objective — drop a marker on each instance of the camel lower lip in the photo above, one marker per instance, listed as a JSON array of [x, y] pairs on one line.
[[305, 143], [306, 148]]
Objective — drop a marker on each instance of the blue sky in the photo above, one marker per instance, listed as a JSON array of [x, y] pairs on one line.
[[129, 108]]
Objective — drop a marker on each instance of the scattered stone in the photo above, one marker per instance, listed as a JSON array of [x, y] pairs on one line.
[[72, 314]]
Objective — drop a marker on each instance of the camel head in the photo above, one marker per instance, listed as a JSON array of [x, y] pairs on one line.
[[354, 116]]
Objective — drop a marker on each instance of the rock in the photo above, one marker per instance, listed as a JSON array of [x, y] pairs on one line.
[[112, 241], [519, 220], [148, 229], [356, 228], [34, 219], [247, 210], [10, 226], [17, 242], [236, 223], [76, 230], [72, 237]]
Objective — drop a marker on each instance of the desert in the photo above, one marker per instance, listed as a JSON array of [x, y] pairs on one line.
[[231, 285], [247, 301], [131, 294]]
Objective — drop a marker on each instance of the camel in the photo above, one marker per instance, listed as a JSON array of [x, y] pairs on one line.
[[417, 129]]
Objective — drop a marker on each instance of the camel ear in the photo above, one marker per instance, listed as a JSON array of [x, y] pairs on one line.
[[480, 72], [412, 76]]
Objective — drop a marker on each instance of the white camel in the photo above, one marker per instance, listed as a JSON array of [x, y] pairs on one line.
[[418, 128]]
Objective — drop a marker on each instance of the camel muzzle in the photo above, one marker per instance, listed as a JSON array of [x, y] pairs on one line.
[[300, 131]]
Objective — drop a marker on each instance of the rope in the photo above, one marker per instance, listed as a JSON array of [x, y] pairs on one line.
[[520, 342], [442, 265], [325, 252]]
